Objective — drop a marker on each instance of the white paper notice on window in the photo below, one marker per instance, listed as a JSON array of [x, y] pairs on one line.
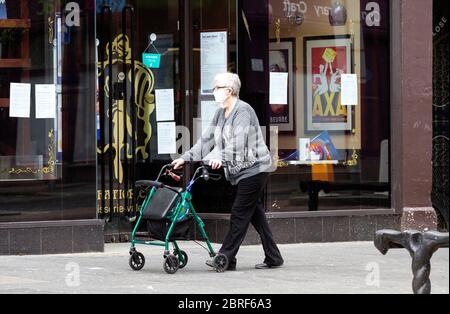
[[45, 101], [214, 58], [167, 138], [349, 89], [165, 105], [20, 100], [279, 88]]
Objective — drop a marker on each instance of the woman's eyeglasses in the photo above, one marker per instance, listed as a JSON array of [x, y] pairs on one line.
[[219, 87]]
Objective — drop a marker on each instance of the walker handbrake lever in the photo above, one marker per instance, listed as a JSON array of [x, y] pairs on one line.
[[205, 174]]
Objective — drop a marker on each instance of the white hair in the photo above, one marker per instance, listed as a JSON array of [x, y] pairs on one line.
[[229, 80]]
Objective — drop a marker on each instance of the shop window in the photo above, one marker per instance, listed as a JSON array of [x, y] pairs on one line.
[[47, 121], [330, 100]]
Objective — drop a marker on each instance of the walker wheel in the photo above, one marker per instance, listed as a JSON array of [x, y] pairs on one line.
[[220, 263], [171, 264], [137, 261], [185, 258]]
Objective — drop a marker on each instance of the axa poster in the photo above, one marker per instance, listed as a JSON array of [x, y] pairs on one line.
[[326, 60]]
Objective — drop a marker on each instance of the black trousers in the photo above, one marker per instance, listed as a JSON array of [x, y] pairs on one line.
[[248, 208]]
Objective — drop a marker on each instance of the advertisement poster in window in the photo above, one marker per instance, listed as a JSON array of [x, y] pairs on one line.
[[326, 59], [282, 60]]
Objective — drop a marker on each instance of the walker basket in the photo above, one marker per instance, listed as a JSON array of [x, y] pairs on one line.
[[157, 229], [162, 202], [155, 213]]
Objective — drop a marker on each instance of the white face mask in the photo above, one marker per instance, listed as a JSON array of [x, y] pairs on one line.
[[220, 97]]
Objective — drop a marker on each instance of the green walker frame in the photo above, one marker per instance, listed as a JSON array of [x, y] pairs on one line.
[[183, 209]]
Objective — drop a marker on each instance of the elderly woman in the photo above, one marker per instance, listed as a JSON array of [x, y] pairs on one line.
[[235, 142]]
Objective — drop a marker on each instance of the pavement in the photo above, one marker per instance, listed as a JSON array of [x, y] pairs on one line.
[[329, 268]]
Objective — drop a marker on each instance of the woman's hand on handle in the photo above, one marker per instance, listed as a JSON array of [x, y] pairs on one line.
[[178, 164], [215, 164]]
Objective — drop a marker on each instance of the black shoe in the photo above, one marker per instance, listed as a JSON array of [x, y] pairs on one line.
[[267, 266], [210, 263], [231, 268]]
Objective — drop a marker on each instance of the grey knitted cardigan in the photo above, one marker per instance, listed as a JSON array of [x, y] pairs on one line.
[[237, 141]]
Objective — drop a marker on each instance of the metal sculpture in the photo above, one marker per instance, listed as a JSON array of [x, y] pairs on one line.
[[421, 246]]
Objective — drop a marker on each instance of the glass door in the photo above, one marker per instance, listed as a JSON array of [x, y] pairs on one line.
[[167, 41], [137, 130]]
